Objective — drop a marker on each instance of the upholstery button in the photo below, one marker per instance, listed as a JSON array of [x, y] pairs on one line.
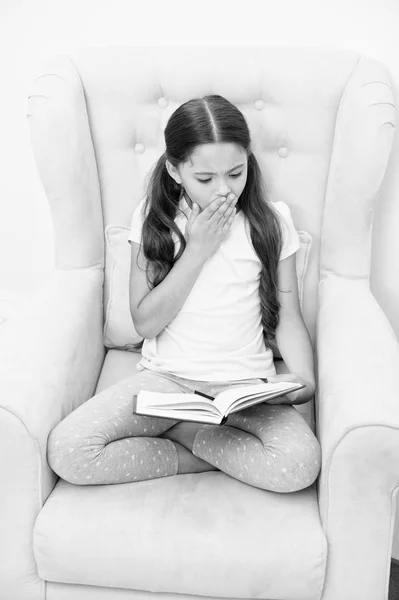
[[163, 102], [282, 152], [139, 148], [259, 104]]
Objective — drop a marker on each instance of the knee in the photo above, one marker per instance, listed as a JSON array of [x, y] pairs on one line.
[[292, 465], [63, 455], [302, 465], [56, 452]]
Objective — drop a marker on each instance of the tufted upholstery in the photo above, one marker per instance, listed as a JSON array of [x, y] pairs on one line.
[[322, 124]]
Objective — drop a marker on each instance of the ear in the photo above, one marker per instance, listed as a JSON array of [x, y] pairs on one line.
[[172, 172]]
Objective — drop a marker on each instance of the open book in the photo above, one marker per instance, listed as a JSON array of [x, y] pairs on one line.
[[202, 408]]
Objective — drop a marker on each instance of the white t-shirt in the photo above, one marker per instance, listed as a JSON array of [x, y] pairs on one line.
[[217, 335]]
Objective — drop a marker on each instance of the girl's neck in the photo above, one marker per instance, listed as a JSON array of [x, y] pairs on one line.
[[187, 200]]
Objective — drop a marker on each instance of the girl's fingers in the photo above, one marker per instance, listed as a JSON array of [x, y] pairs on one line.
[[212, 208], [229, 221], [217, 208], [225, 216], [224, 212]]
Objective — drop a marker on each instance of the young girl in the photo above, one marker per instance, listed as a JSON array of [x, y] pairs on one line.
[[213, 288]]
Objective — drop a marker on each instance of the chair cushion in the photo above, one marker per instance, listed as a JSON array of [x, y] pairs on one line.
[[200, 533], [119, 331]]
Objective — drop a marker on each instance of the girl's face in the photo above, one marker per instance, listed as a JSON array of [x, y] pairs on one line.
[[214, 170]]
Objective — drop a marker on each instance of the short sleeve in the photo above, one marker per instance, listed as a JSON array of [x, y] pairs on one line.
[[291, 241], [137, 223]]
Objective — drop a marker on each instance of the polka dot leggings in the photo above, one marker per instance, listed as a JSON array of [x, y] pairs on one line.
[[103, 442]]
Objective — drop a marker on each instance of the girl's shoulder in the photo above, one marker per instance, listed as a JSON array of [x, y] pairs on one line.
[[291, 241], [283, 212], [136, 222], [282, 208], [138, 210]]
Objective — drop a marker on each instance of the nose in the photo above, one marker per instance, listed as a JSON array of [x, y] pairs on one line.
[[224, 191]]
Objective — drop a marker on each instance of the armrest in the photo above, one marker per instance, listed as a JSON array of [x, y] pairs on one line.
[[51, 355], [358, 428]]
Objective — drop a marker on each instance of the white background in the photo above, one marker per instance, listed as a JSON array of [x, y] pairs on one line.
[[31, 31]]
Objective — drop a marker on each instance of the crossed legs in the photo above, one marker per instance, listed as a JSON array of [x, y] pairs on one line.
[[103, 442]]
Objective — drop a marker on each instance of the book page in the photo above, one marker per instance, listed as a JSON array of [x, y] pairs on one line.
[[175, 401], [247, 400], [235, 396], [183, 415], [255, 399]]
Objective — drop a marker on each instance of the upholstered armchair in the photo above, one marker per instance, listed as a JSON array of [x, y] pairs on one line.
[[322, 124]]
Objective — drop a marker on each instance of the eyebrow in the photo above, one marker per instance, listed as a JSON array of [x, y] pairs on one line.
[[210, 173]]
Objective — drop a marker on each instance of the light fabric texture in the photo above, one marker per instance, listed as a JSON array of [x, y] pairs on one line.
[[217, 335], [119, 330], [269, 447]]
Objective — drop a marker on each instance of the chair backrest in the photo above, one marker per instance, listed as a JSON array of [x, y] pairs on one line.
[[321, 124]]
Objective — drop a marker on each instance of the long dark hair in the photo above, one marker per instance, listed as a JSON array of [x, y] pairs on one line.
[[207, 120]]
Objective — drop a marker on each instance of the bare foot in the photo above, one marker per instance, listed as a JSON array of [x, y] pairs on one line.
[[184, 433], [188, 463]]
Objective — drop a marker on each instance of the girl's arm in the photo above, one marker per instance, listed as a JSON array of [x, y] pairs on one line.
[[292, 337], [152, 310]]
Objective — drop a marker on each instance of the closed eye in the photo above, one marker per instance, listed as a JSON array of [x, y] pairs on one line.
[[208, 180]]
